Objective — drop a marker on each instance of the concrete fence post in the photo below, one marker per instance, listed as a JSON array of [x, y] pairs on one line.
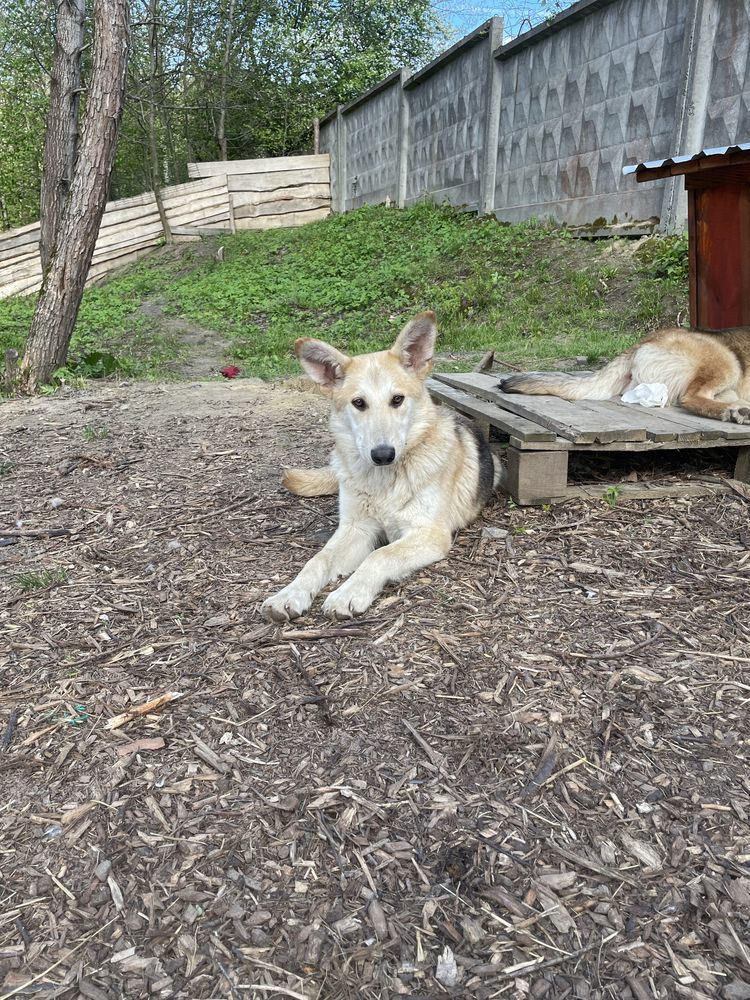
[[690, 112], [492, 120], [402, 149], [339, 199]]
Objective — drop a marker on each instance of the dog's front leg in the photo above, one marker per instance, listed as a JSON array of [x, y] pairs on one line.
[[393, 562], [350, 544]]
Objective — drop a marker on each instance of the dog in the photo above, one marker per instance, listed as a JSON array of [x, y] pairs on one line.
[[408, 473], [705, 373]]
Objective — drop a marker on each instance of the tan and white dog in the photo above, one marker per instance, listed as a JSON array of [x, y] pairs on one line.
[[408, 473], [706, 373]]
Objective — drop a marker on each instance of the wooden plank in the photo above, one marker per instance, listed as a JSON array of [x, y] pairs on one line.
[[281, 194], [280, 207], [653, 421], [274, 163], [567, 420], [185, 216], [536, 477], [8, 242], [290, 220], [544, 410], [17, 254], [25, 287], [195, 202], [742, 466], [509, 423], [193, 187], [132, 234], [132, 214], [268, 181], [199, 230], [635, 446]]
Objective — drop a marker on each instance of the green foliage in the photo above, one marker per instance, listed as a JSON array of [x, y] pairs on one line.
[[664, 258], [527, 290], [284, 64], [38, 579], [25, 47], [612, 495], [95, 432]]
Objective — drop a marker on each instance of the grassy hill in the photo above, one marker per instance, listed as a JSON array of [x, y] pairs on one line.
[[535, 294]]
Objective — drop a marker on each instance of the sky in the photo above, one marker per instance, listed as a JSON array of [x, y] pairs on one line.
[[519, 15]]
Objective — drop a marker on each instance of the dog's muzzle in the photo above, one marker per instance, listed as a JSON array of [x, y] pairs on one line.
[[383, 454]]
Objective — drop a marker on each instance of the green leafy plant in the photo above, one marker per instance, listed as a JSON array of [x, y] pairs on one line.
[[612, 495], [95, 432], [38, 579]]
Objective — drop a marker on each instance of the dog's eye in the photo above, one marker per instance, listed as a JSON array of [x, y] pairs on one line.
[[397, 400], [359, 403]]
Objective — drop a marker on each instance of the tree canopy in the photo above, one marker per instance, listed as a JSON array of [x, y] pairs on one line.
[[207, 79]]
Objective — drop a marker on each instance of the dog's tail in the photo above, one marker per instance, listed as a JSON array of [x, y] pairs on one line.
[[612, 380], [311, 482]]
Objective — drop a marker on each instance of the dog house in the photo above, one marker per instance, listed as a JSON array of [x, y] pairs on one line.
[[717, 183], [543, 431]]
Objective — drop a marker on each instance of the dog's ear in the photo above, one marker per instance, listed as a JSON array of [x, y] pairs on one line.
[[415, 344], [323, 363]]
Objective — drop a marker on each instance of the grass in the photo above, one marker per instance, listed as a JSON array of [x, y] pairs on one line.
[[95, 432], [38, 579], [532, 292]]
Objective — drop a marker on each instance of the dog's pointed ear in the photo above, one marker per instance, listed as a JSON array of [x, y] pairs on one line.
[[323, 363], [415, 344]]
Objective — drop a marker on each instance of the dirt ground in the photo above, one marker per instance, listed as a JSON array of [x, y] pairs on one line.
[[524, 774]]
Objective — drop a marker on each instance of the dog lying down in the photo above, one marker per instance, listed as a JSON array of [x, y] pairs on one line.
[[705, 373], [408, 473]]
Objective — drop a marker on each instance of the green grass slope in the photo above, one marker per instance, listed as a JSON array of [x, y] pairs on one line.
[[533, 293]]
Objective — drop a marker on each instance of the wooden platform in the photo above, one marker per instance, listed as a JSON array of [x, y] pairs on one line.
[[541, 431]]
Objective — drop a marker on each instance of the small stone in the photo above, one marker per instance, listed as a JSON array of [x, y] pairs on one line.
[[102, 870], [488, 531]]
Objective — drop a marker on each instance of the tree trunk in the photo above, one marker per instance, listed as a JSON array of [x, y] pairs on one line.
[[221, 132], [153, 104], [61, 141], [62, 290]]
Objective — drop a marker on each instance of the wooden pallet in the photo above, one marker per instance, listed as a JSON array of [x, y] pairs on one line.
[[541, 432]]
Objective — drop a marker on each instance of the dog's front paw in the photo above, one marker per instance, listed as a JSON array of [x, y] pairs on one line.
[[351, 598], [291, 602]]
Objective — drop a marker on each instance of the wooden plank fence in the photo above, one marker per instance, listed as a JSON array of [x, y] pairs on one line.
[[273, 193], [222, 196]]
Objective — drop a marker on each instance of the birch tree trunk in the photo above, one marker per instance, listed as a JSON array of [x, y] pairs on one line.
[[64, 281], [61, 140], [221, 131]]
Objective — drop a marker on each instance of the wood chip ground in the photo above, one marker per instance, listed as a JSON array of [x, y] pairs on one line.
[[524, 774]]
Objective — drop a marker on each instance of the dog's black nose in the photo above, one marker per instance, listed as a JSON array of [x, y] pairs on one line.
[[383, 454]]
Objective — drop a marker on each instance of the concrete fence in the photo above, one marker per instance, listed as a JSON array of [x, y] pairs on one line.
[[543, 125], [224, 196]]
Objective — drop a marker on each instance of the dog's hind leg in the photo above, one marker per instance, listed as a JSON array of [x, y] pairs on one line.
[[700, 397], [350, 544], [391, 563]]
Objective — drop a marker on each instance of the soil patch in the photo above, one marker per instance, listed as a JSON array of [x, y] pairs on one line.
[[523, 774]]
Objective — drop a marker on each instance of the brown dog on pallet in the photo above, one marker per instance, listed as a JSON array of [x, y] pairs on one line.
[[705, 373]]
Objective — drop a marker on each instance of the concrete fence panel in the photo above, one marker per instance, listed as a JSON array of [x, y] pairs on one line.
[[543, 125]]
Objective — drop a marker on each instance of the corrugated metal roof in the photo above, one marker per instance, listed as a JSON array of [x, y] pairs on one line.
[[636, 168]]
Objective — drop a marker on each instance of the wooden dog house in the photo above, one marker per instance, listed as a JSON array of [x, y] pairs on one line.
[[543, 431], [717, 182]]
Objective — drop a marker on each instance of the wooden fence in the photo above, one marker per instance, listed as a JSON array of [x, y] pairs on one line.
[[273, 193], [222, 197]]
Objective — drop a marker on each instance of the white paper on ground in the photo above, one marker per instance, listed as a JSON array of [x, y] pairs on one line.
[[647, 394]]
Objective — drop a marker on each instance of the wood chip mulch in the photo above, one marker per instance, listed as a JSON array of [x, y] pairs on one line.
[[524, 774]]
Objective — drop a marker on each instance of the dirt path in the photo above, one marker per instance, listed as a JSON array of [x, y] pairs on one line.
[[524, 774]]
